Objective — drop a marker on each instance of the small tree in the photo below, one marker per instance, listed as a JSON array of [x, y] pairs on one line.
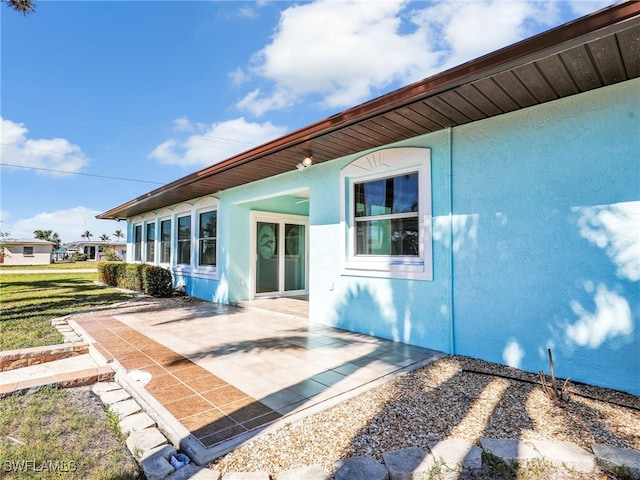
[[104, 237], [118, 234], [87, 234]]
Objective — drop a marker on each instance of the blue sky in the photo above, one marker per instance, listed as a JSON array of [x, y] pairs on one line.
[[148, 92]]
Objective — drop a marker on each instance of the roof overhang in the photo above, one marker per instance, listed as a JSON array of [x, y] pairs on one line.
[[591, 52]]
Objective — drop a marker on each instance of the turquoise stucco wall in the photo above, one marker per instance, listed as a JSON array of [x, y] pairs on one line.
[[536, 215], [546, 209], [543, 243], [409, 311]]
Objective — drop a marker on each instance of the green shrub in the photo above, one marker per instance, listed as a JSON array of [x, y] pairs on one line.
[[148, 279], [78, 257], [157, 281], [132, 276], [110, 272], [110, 255]]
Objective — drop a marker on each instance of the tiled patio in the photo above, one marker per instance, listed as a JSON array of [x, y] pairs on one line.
[[222, 371]]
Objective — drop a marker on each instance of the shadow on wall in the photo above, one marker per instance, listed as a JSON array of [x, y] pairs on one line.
[[560, 279], [385, 314]]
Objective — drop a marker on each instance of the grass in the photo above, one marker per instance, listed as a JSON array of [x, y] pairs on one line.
[[28, 303], [61, 434], [56, 433]]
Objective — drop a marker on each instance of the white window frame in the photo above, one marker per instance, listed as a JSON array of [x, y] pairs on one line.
[[183, 267], [386, 163], [207, 269], [24, 251], [133, 242], [146, 242], [159, 241]]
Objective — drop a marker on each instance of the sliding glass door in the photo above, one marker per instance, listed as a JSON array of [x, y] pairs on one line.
[[280, 255]]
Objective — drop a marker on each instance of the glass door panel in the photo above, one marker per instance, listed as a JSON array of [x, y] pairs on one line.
[[294, 257], [267, 264]]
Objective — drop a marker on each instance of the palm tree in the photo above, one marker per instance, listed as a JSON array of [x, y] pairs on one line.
[[48, 235], [22, 6], [87, 234], [118, 234], [104, 237]]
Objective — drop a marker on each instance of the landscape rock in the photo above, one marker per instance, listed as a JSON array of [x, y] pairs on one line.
[[360, 468], [618, 460], [408, 464], [456, 453], [566, 454]]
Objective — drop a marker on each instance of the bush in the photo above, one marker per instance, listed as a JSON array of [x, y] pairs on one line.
[[157, 281], [148, 279], [78, 257], [110, 255], [110, 272], [131, 278]]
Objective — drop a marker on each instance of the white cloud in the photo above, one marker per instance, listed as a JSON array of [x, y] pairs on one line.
[[257, 104], [338, 49], [466, 30], [69, 224], [182, 124], [583, 7], [611, 318], [55, 153], [239, 76], [247, 12], [214, 143], [347, 51]]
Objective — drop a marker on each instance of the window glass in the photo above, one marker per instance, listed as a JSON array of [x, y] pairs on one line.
[[27, 251], [165, 241], [398, 236], [151, 242], [137, 243], [387, 196], [207, 236], [184, 240], [386, 216]]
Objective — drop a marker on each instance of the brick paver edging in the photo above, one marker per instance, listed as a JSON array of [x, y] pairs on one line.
[[25, 357]]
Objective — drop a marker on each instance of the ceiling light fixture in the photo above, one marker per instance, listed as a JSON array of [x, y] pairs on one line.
[[306, 162]]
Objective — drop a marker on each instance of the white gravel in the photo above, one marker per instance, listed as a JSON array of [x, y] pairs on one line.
[[446, 399], [443, 400]]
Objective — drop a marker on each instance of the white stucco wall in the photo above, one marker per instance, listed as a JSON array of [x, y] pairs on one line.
[[13, 255]]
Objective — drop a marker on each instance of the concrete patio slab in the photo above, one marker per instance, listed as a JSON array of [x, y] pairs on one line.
[[219, 374]]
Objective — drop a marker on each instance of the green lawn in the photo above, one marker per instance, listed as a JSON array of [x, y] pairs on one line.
[[50, 266], [28, 303], [56, 433], [63, 434]]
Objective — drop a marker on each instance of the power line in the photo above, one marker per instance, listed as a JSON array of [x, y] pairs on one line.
[[80, 173]]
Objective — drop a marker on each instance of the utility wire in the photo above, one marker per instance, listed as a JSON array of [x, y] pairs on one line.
[[80, 173]]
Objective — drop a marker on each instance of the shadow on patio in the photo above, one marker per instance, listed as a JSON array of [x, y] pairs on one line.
[[224, 373]]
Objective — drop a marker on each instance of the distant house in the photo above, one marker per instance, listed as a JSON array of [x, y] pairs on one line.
[[27, 251], [491, 210], [95, 250]]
